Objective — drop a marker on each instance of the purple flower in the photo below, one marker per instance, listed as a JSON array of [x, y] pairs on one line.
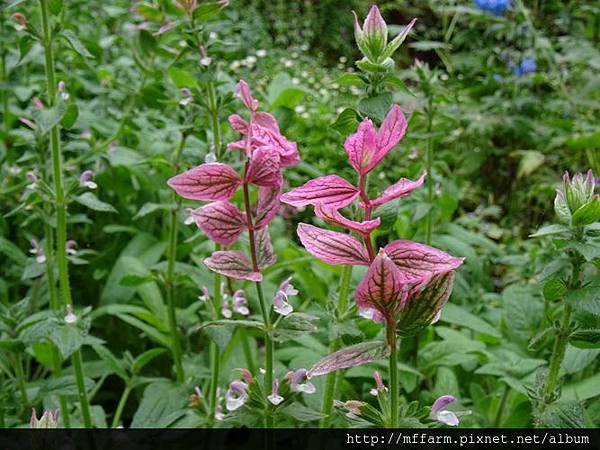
[[240, 303], [275, 398], [31, 176], [280, 300], [70, 247], [442, 415], [379, 386], [236, 395], [38, 251], [86, 179], [496, 7], [205, 296], [299, 382]]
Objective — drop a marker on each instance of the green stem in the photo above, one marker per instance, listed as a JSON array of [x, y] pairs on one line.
[[394, 392], [331, 382], [170, 276], [4, 79], [500, 411], [21, 380], [429, 165], [562, 337], [265, 311], [60, 204], [121, 405], [214, 113]]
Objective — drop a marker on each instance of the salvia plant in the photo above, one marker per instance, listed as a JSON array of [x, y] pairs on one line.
[[185, 244]]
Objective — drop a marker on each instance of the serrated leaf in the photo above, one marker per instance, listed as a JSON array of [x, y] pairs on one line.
[[554, 289], [76, 44], [350, 79], [91, 201], [346, 122], [46, 118], [586, 299], [376, 107]]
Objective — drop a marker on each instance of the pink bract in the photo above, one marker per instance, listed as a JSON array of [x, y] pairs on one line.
[[264, 168], [232, 263], [208, 182], [399, 189], [330, 190], [332, 247], [332, 215], [222, 222]]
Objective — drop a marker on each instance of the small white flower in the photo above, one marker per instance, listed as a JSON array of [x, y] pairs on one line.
[[38, 251], [445, 416], [299, 382], [236, 395], [86, 179], [205, 296], [240, 303], [275, 398], [70, 318], [261, 53]]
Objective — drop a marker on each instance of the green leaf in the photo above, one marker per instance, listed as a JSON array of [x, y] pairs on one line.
[[584, 389], [585, 338], [549, 230], [46, 118], [529, 162], [145, 358], [376, 107], [302, 413], [206, 10], [429, 45], [112, 361], [12, 345], [162, 404], [294, 325], [346, 122], [458, 315], [91, 201], [25, 46], [563, 415], [282, 92], [69, 338], [70, 116], [350, 79], [76, 44], [587, 214], [182, 78], [55, 6], [149, 208], [554, 289], [12, 252], [586, 299]]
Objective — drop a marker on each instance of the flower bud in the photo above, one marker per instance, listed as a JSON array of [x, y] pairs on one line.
[[21, 20], [579, 190], [48, 420]]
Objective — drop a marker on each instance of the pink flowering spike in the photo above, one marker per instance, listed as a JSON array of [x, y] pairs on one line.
[[238, 123], [264, 249], [441, 403], [423, 303], [266, 120], [288, 150], [237, 145], [392, 130], [264, 168], [242, 90], [400, 189], [232, 263], [382, 287], [222, 222], [332, 247], [333, 216], [419, 261], [209, 182], [355, 355], [330, 190], [361, 147], [267, 206]]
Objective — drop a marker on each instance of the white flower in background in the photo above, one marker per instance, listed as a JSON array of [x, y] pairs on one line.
[[86, 179], [63, 90], [299, 109], [189, 216], [70, 247], [261, 53], [240, 303], [299, 382], [205, 296], [225, 309], [37, 251]]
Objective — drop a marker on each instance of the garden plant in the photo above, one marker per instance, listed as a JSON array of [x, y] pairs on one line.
[[243, 213]]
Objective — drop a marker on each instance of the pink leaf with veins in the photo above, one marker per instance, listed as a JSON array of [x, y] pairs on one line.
[[213, 181], [361, 147], [222, 222], [242, 90], [392, 130], [332, 215], [332, 247], [264, 249], [330, 190], [266, 120], [264, 168], [233, 264], [401, 188], [267, 206], [382, 288], [417, 262]]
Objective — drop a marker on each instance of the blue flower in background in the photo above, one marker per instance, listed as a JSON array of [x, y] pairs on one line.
[[528, 65], [496, 7]]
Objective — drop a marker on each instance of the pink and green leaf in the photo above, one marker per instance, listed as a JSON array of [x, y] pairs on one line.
[[330, 190], [267, 206], [333, 216], [208, 182], [221, 221], [332, 247], [233, 264], [399, 189]]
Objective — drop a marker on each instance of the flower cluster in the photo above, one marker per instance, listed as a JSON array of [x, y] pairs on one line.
[[407, 283], [267, 152], [576, 203], [526, 66], [495, 7]]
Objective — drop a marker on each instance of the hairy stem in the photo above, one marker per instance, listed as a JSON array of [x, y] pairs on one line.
[[60, 205], [265, 311], [331, 383], [170, 278], [429, 165], [501, 406], [394, 393]]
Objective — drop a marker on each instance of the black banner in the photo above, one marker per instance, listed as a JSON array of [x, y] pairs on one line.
[[293, 439]]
